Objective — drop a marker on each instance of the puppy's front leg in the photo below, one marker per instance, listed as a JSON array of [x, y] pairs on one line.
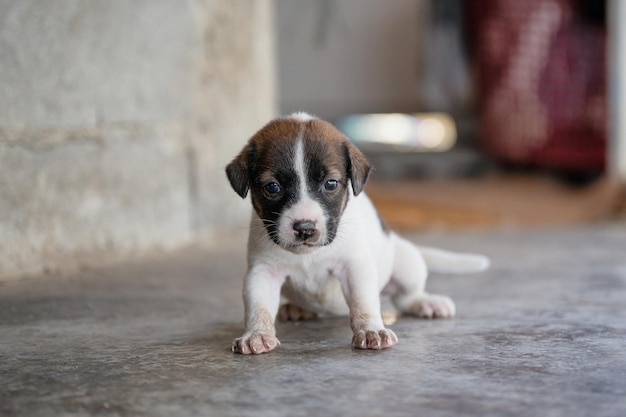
[[261, 297], [363, 296]]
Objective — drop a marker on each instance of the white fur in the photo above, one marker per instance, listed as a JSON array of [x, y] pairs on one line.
[[443, 261], [344, 277], [301, 116], [305, 209], [357, 266]]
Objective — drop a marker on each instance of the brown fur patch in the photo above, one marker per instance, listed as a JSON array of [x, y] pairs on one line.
[[270, 157], [340, 152]]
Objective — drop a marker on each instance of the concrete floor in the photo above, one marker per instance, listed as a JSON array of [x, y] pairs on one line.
[[542, 333]]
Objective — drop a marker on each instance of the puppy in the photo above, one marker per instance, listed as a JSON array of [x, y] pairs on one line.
[[317, 242]]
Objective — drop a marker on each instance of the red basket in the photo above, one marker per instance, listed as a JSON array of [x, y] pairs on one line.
[[542, 83]]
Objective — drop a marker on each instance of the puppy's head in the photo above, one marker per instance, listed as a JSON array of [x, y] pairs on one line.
[[300, 172]]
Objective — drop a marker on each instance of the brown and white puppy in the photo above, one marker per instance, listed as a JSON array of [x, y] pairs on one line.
[[317, 242]]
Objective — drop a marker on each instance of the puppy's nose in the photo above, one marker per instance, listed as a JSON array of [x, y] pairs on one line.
[[305, 229]]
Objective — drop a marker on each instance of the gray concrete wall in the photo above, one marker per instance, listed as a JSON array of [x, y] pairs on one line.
[[116, 120], [348, 56]]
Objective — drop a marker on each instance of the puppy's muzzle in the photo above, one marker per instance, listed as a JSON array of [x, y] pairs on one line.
[[305, 231]]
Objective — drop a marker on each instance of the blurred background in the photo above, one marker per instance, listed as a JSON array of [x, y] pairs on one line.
[[117, 118]]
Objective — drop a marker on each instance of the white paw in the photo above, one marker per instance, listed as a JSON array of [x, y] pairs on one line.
[[431, 306], [374, 339], [255, 343]]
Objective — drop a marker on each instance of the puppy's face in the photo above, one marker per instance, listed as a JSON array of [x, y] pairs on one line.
[[299, 171]]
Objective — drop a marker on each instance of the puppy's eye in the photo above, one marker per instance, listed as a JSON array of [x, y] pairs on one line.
[[272, 188], [331, 185]]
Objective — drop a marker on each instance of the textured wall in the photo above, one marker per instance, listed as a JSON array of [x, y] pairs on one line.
[[117, 119], [348, 56]]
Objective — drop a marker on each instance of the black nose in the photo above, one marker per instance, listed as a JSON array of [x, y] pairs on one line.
[[304, 229]]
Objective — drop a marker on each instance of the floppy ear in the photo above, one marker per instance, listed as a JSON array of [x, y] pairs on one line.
[[359, 168], [238, 171]]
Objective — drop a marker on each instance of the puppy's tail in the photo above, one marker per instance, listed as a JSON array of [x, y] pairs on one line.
[[439, 260]]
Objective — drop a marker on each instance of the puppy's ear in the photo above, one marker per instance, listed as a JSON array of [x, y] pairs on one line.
[[359, 168], [238, 171]]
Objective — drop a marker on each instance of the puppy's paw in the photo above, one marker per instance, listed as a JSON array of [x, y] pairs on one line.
[[372, 339], [431, 306], [255, 343], [290, 312]]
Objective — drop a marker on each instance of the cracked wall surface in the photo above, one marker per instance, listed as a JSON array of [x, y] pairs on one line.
[[117, 119]]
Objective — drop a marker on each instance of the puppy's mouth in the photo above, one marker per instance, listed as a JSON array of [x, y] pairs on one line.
[[294, 246], [301, 247]]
